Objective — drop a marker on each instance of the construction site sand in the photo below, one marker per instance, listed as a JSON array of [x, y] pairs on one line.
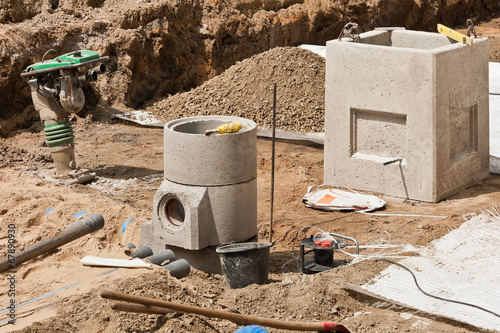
[[118, 153], [246, 90]]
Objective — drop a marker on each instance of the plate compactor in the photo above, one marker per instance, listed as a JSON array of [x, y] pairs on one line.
[[56, 90]]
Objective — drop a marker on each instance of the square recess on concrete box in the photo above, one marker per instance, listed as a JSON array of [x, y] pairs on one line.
[[415, 97], [367, 124]]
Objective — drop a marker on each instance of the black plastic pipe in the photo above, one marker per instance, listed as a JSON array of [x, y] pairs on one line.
[[73, 231]]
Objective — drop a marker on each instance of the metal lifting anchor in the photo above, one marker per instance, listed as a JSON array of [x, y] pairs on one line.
[[351, 30]]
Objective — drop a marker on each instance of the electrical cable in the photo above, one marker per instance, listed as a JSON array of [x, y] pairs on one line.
[[403, 215], [393, 254], [438, 297]]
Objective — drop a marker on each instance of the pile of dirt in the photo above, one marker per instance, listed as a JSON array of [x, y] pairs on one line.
[[246, 90]]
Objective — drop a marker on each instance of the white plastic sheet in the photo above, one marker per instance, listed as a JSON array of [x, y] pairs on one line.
[[495, 134], [462, 265], [318, 49], [140, 117], [109, 262], [335, 199], [494, 117]]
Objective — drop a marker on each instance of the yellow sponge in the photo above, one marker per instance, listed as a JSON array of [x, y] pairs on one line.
[[226, 128], [229, 128]]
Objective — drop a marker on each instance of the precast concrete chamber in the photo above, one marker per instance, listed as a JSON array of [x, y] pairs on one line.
[[209, 194], [406, 114]]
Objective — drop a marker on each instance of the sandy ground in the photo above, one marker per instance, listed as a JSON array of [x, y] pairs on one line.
[[63, 295], [123, 156]]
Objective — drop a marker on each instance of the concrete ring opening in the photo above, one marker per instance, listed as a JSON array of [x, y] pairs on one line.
[[172, 211], [198, 127]]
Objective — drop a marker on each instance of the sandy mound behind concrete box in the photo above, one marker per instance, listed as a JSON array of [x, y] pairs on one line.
[[246, 90]]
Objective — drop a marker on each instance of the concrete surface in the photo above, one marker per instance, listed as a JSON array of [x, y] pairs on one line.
[[416, 97], [212, 215], [193, 158], [494, 109], [209, 195]]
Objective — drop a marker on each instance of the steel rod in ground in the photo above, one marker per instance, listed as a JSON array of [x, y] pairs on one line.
[[235, 317], [272, 166]]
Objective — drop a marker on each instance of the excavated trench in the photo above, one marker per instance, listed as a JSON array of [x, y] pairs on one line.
[[159, 48]]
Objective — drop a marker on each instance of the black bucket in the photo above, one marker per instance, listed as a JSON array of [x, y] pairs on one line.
[[244, 263]]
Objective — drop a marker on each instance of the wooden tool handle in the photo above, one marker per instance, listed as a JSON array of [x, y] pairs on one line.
[[246, 320], [141, 308]]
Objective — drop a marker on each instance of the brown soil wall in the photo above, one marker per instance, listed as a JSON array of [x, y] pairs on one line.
[[158, 48]]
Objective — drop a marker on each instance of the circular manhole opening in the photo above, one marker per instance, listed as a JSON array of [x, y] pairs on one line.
[[174, 212]]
